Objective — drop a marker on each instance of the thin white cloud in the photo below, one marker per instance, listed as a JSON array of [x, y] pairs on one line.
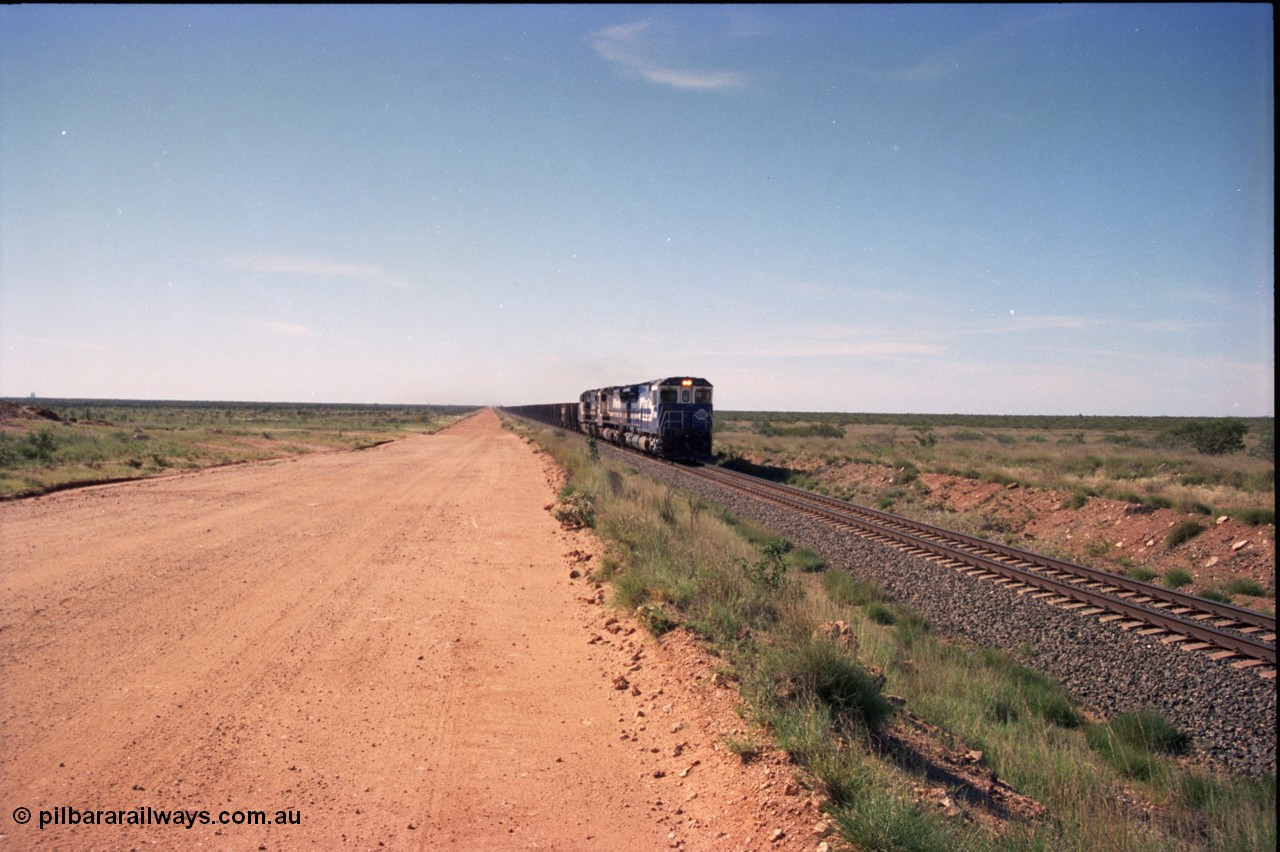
[[632, 48], [316, 267], [1015, 323], [990, 47], [287, 329]]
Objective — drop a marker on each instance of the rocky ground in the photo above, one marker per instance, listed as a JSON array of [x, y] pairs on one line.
[[1102, 533]]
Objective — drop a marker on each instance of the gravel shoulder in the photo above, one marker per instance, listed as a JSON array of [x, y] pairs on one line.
[[387, 643]]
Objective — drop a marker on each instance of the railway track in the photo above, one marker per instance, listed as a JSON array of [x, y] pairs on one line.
[[1236, 636]]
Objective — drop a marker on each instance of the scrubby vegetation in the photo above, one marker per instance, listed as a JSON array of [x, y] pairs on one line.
[[103, 440], [1209, 466], [827, 696]]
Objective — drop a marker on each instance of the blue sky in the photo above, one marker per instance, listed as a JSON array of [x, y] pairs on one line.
[[1005, 209]]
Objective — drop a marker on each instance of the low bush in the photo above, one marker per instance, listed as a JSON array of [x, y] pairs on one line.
[[745, 747], [1246, 586], [843, 589], [880, 613], [1135, 743], [1177, 578], [654, 618], [1076, 501], [806, 560], [1149, 730], [1256, 517], [1210, 437], [818, 670], [576, 508], [1184, 531]]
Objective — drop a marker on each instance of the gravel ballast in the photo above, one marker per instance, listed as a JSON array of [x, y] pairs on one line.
[[1229, 713]]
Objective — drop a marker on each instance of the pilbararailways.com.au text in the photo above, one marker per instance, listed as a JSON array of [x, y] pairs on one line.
[[67, 815]]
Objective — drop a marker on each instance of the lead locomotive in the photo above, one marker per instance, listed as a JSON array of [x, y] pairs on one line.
[[665, 417]]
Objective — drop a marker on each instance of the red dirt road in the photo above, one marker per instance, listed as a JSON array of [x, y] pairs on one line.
[[385, 644]]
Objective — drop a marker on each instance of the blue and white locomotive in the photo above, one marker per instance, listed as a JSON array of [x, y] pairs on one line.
[[665, 417]]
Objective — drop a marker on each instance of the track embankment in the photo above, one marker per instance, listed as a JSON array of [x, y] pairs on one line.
[[386, 647]]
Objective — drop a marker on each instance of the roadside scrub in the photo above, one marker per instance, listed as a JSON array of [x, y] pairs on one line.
[[823, 661], [107, 442]]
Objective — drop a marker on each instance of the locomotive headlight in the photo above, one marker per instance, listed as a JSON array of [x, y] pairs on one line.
[[688, 383]]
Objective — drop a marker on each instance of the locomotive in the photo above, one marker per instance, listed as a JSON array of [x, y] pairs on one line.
[[665, 417]]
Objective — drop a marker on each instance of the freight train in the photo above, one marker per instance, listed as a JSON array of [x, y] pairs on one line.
[[665, 417]]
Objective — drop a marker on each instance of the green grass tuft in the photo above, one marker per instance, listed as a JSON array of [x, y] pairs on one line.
[[1184, 531]]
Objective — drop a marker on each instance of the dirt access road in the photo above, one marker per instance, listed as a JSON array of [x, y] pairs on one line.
[[385, 645]]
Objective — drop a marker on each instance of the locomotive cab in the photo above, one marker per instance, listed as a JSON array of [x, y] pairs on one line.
[[682, 408]]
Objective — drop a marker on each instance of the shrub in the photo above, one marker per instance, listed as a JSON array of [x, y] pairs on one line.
[[806, 560], [1256, 517], [42, 445], [906, 473], [1075, 501], [744, 747], [770, 571], [1150, 730], [925, 437], [1266, 448], [654, 618], [879, 613], [576, 508], [1184, 531], [819, 669], [1210, 437], [843, 589], [1134, 742], [1177, 578], [1141, 573], [1246, 586]]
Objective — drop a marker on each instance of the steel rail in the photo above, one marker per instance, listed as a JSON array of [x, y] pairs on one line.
[[883, 524], [1171, 597]]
